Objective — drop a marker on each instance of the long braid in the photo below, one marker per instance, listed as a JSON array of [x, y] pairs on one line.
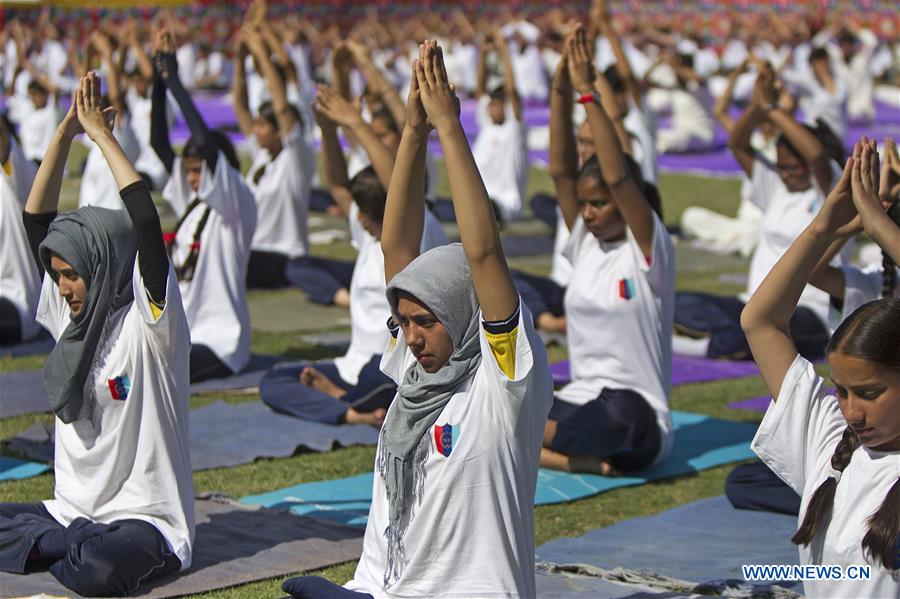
[[882, 541], [889, 276], [818, 512]]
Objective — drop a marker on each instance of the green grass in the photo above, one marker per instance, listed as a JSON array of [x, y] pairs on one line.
[[563, 520]]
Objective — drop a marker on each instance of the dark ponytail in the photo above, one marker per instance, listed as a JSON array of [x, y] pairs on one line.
[[818, 511], [871, 333]]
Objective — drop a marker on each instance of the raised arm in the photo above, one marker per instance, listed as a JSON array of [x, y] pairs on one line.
[[605, 27], [152, 258], [509, 75], [346, 115], [283, 113], [166, 67], [114, 81], [474, 214], [239, 97], [133, 40], [766, 317], [626, 192], [720, 110], [404, 213], [563, 166], [334, 163], [481, 80], [377, 83], [755, 113]]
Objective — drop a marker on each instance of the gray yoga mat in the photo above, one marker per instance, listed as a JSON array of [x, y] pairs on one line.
[[721, 540], [22, 392], [234, 545], [224, 434]]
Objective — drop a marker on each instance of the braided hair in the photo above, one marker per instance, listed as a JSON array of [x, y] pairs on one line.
[[871, 333]]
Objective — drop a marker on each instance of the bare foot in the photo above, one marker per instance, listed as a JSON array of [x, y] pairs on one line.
[[341, 298], [318, 381], [375, 418], [550, 323]]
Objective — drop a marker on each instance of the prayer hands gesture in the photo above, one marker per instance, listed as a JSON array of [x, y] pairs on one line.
[[416, 118], [336, 108], [581, 64], [94, 120], [889, 187], [838, 217], [864, 179], [438, 97], [765, 91]]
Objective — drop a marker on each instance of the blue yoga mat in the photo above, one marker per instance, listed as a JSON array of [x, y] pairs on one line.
[[701, 442], [721, 539], [13, 469]]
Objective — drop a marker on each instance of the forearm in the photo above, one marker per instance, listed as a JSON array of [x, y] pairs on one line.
[[404, 214], [159, 126], [199, 131], [121, 168], [800, 137], [143, 61], [739, 138], [153, 260], [720, 110], [44, 196], [239, 97], [335, 165], [379, 84], [380, 155]]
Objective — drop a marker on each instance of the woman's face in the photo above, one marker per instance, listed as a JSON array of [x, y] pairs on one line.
[[72, 287], [193, 168], [793, 170], [425, 336], [598, 210], [869, 398], [266, 135]]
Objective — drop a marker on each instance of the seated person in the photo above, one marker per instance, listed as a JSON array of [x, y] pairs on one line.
[[614, 415], [123, 507]]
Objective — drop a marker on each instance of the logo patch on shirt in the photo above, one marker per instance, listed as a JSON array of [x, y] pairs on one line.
[[626, 288], [119, 387], [445, 438]]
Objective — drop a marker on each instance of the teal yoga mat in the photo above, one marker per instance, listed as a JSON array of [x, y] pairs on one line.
[[13, 469], [701, 442]]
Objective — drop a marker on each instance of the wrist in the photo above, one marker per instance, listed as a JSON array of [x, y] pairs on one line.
[[417, 133], [448, 125]]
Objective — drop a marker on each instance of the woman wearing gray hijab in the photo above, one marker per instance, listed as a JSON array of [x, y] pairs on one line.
[[117, 381], [452, 511]]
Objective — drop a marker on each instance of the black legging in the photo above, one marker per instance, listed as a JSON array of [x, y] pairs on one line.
[[10, 323]]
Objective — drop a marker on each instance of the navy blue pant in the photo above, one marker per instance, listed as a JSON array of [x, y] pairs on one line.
[[540, 294], [10, 323], [320, 200], [618, 426], [719, 318], [266, 270], [205, 364], [281, 389], [319, 278], [316, 587], [544, 208], [445, 212], [755, 487], [89, 558]]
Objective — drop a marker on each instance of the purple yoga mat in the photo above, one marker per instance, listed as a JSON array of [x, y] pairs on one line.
[[685, 370], [756, 404]]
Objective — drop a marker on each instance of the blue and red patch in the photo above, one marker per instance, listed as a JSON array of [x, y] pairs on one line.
[[626, 289], [119, 387], [445, 438]]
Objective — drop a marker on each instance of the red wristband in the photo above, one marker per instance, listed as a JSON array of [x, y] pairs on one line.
[[589, 98]]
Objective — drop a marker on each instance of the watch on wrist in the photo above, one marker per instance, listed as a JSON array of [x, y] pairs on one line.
[[591, 98]]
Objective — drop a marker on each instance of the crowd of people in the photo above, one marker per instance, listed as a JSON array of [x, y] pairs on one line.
[[446, 337]]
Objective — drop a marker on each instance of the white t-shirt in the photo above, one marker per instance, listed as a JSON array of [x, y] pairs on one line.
[[369, 308], [98, 184], [817, 102], [502, 158], [36, 125], [862, 286], [528, 66], [215, 300], [619, 317], [641, 126], [796, 440], [472, 534], [786, 214], [19, 279], [136, 463], [282, 197]]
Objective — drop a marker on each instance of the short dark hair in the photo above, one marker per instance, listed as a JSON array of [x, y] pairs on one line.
[[369, 194], [819, 53], [37, 87], [194, 149], [614, 79], [498, 93]]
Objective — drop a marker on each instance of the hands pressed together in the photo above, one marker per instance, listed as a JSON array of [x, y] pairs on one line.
[[86, 114]]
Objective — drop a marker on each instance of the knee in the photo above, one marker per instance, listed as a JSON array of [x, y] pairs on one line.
[[88, 570]]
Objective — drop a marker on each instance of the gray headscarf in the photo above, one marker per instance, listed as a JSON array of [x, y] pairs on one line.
[[441, 279], [100, 245]]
